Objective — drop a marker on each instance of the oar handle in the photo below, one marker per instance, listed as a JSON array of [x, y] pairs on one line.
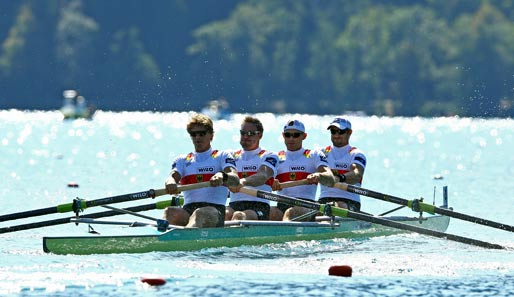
[[195, 186], [293, 183], [248, 191], [341, 186], [183, 188]]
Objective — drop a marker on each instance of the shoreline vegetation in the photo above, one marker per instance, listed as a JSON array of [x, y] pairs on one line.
[[396, 58]]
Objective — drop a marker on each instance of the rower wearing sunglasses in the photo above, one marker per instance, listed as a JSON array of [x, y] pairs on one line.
[[347, 164], [203, 207], [297, 163], [257, 169]]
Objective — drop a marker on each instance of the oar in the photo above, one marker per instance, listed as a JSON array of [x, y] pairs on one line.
[[293, 183], [341, 212], [79, 204], [122, 223], [418, 206], [161, 224], [175, 201]]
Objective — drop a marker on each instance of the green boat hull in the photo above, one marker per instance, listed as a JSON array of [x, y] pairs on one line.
[[238, 234]]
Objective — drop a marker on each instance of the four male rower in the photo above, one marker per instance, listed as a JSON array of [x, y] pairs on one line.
[[298, 163], [347, 164], [257, 168], [204, 207]]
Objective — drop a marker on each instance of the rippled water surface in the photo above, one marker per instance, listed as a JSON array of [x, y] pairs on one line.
[[119, 153]]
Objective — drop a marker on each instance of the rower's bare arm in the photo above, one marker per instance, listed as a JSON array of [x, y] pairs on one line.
[[355, 174], [259, 178], [171, 182], [232, 180], [326, 177]]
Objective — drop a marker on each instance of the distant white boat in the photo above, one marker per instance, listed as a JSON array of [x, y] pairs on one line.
[[217, 109], [74, 106]]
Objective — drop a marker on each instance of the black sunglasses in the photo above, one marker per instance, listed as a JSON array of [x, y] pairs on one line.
[[249, 133], [199, 133], [338, 132], [294, 135]]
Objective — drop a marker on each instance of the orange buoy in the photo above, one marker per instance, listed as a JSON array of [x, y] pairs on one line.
[[340, 270], [73, 185], [153, 281]]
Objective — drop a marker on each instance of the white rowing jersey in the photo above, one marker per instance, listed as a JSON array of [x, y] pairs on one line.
[[340, 160], [247, 164], [200, 167], [296, 166]]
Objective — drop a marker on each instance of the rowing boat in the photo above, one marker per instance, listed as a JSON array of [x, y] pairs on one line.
[[234, 234], [336, 223]]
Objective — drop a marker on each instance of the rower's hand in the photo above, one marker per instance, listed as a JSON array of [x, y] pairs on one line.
[[276, 185], [171, 188], [313, 178], [216, 180], [242, 183]]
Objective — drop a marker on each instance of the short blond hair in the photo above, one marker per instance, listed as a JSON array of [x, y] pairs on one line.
[[201, 120]]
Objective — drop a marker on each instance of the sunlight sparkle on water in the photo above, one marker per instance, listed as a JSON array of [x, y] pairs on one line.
[[117, 153]]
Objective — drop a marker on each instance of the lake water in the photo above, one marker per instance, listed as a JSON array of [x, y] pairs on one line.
[[126, 152]]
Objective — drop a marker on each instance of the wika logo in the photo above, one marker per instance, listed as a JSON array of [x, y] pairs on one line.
[[362, 192], [139, 195], [343, 166], [250, 168], [206, 169], [269, 197], [297, 168]]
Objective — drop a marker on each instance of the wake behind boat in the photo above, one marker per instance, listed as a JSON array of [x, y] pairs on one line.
[[234, 234]]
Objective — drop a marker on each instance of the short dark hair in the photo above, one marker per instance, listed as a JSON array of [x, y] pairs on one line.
[[255, 121]]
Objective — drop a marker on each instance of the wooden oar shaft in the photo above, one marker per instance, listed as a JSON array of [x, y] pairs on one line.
[[341, 212], [183, 188], [417, 205], [176, 201], [293, 183]]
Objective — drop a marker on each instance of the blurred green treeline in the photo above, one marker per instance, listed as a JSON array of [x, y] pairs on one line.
[[407, 58]]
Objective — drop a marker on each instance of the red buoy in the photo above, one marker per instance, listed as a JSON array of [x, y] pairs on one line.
[[340, 270], [153, 281], [73, 185]]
